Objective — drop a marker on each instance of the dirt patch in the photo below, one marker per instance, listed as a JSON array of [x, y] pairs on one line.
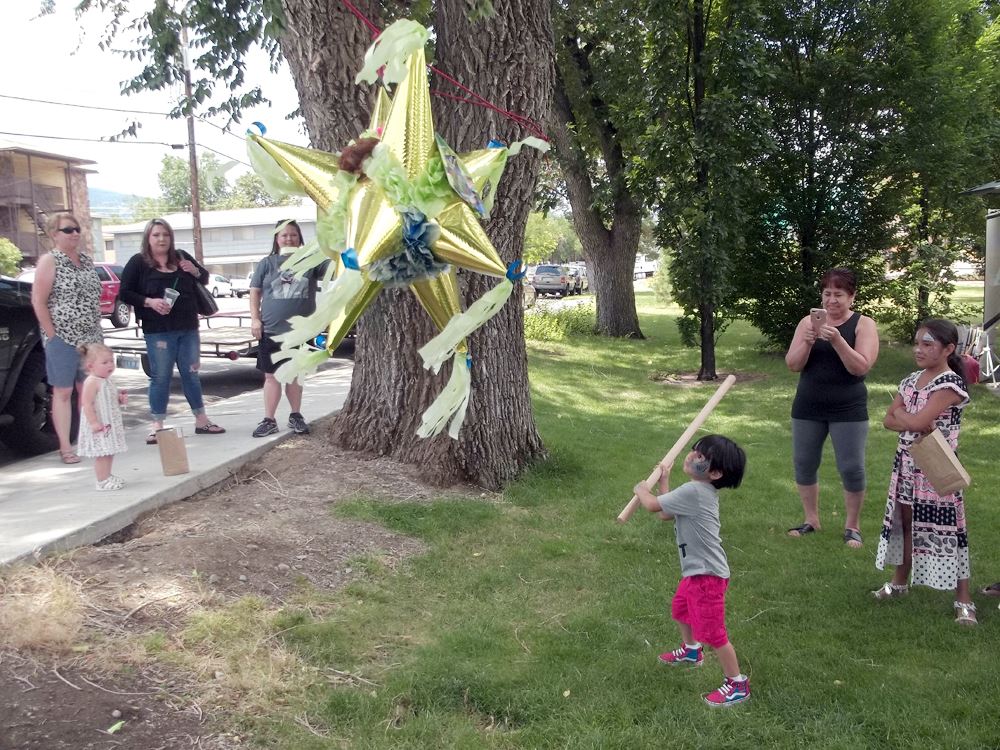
[[267, 532], [690, 379]]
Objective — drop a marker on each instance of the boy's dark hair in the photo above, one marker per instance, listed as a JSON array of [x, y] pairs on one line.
[[725, 456]]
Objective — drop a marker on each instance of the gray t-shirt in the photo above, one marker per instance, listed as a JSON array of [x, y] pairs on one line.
[[282, 295], [695, 508]]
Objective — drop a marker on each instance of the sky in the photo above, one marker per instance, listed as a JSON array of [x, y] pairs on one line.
[[56, 58]]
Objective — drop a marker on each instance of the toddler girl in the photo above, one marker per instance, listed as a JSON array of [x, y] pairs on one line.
[[101, 432]]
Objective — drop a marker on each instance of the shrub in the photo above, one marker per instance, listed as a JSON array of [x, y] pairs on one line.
[[10, 258], [546, 324]]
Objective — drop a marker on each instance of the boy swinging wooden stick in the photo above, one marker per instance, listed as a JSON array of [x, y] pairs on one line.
[[674, 452]]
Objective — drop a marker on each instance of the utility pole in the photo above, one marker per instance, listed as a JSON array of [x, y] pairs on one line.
[[192, 154]]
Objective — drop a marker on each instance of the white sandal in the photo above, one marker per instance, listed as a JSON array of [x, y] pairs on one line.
[[890, 590], [111, 483], [965, 614]]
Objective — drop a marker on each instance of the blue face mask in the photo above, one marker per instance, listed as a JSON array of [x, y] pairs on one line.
[[700, 468]]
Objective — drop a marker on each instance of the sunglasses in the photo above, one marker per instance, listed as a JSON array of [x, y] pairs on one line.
[[70, 230]]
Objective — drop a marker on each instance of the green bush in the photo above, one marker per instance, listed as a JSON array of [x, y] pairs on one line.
[[545, 324], [10, 258]]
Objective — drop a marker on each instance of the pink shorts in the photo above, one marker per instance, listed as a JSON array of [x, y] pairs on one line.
[[700, 602]]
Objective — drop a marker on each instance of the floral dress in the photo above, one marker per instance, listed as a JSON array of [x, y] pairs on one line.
[[93, 444], [940, 543]]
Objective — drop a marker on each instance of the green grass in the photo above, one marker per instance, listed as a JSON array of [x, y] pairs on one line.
[[534, 622]]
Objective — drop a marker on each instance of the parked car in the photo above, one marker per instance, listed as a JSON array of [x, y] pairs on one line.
[[577, 277], [113, 307], [241, 287], [550, 279], [25, 397], [219, 286]]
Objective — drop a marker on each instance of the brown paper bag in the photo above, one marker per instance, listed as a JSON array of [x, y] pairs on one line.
[[935, 458], [173, 452]]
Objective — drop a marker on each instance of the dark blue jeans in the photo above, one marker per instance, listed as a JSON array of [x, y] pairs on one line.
[[181, 348]]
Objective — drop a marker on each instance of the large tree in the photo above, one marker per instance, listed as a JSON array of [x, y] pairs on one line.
[[947, 119], [507, 59], [595, 87], [824, 195], [705, 129]]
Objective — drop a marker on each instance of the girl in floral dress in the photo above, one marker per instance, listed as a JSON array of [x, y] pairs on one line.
[[102, 434], [924, 533]]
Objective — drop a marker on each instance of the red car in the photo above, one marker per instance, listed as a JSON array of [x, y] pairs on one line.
[[112, 306]]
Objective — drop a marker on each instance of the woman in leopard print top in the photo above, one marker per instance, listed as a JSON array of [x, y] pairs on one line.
[[66, 296]]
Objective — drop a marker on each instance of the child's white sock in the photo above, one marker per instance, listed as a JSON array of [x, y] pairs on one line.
[[692, 646], [740, 678]]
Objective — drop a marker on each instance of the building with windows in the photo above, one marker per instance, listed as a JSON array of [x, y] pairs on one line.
[[34, 184], [233, 241]]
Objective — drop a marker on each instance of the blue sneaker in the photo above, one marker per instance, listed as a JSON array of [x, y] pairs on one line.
[[683, 656], [731, 693]]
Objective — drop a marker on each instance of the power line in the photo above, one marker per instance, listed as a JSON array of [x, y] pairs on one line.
[[92, 140], [168, 115], [84, 106], [175, 146]]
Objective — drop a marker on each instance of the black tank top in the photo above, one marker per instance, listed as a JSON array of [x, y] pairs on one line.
[[827, 391]]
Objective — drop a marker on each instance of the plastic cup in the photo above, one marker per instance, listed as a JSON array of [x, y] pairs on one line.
[[171, 295]]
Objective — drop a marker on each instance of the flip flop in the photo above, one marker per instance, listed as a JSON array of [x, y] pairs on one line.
[[151, 438], [992, 590], [800, 531], [853, 535], [209, 429]]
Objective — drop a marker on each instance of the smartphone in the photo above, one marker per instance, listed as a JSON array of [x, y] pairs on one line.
[[818, 315]]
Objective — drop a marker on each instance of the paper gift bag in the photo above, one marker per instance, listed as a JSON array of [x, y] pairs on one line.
[[935, 458], [173, 452]]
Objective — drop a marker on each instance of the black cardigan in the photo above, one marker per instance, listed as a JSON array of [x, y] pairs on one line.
[[139, 281]]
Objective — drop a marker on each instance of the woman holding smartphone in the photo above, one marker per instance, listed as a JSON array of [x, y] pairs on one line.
[[833, 348]]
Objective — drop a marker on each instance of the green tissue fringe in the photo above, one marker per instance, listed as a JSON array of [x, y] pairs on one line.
[[451, 404], [436, 351]]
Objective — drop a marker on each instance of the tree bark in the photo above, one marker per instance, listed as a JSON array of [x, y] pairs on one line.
[[325, 45], [508, 60]]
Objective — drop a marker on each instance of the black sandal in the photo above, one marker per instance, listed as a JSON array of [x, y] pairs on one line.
[[801, 531], [151, 438], [992, 590], [209, 429], [853, 535]]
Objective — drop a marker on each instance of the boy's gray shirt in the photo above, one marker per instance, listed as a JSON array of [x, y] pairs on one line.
[[695, 508]]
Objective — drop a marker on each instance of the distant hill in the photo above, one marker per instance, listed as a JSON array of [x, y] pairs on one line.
[[108, 204]]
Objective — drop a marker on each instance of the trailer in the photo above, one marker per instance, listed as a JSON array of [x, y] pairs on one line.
[[223, 336]]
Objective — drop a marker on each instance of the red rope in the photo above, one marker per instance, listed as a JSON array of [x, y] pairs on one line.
[[375, 30], [528, 124]]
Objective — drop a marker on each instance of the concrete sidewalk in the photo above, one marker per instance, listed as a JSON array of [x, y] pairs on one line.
[[46, 506]]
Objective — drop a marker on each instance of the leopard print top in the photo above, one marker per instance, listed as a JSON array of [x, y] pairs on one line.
[[75, 300]]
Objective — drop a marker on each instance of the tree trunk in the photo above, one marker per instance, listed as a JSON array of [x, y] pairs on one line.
[[506, 59], [706, 310], [610, 253], [325, 45]]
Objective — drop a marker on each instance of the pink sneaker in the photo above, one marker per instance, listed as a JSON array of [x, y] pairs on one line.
[[683, 656], [729, 694]]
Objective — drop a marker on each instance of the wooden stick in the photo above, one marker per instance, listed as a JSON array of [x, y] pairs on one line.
[[682, 441]]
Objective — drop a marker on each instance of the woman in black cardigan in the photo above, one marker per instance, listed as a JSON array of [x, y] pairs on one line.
[[157, 273]]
